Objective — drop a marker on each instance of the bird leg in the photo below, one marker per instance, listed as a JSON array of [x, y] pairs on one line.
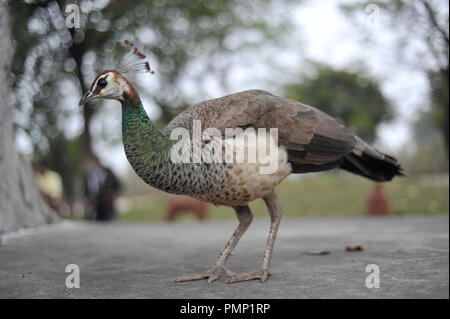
[[275, 211], [245, 218]]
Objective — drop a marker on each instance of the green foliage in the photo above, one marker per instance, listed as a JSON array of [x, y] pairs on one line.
[[350, 96], [440, 102], [422, 43], [427, 148]]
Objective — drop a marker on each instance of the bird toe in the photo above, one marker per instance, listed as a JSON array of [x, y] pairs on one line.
[[262, 275]]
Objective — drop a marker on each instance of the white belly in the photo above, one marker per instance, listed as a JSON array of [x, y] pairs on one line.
[[253, 169]]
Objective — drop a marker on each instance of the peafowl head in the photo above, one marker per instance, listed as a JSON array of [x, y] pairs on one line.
[[112, 84]]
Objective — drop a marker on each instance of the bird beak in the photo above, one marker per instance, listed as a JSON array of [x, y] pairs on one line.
[[87, 97]]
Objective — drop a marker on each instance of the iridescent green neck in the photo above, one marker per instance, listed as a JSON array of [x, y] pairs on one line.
[[139, 130], [148, 151], [147, 148]]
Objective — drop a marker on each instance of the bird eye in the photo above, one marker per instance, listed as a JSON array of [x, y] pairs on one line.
[[102, 83]]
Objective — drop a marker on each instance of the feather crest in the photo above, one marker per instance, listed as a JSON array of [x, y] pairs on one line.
[[132, 60]]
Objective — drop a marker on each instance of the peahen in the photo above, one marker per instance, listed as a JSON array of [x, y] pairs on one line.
[[310, 141]]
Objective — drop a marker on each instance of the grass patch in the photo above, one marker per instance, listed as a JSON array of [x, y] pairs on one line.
[[325, 194]]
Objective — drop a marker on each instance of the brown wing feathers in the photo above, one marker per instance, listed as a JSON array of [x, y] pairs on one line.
[[310, 136], [314, 140]]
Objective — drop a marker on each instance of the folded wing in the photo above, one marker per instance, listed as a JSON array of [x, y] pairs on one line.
[[313, 139]]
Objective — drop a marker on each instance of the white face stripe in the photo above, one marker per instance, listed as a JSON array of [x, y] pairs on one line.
[[105, 76], [116, 86]]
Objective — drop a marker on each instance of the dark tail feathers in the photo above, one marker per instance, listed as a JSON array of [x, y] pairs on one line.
[[380, 168]]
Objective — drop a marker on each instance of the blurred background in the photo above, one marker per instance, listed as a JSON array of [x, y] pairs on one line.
[[379, 66]]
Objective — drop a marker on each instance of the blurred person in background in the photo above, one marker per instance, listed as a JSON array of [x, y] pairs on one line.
[[101, 187], [51, 188]]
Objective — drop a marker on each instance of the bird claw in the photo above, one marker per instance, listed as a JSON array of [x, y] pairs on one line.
[[212, 274], [262, 274]]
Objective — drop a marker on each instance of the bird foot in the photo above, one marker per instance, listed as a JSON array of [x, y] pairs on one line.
[[212, 274], [262, 274]]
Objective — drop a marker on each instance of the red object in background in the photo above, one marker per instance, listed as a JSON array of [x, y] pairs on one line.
[[175, 204], [377, 202]]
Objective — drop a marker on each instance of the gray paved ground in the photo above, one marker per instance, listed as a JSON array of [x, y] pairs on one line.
[[138, 260]]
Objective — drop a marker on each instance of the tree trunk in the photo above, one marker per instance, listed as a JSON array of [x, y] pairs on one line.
[[444, 101], [77, 51], [21, 204], [440, 97]]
